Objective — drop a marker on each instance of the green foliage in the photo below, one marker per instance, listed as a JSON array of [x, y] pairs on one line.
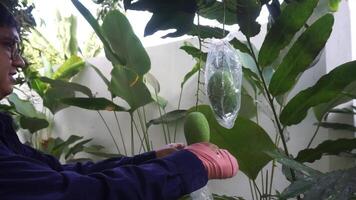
[[328, 147], [293, 17], [326, 89], [301, 54]]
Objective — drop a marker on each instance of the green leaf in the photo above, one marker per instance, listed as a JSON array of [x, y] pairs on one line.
[[338, 185], [329, 147], [292, 18], [52, 98], [191, 73], [25, 107], [168, 118], [93, 104], [125, 84], [247, 12], [241, 46], [302, 53], [207, 32], [322, 109], [95, 25], [73, 42], [327, 87], [338, 126], [216, 11], [194, 52], [124, 43], [69, 86], [77, 148], [70, 68], [289, 162], [63, 146], [33, 124], [246, 141], [174, 14], [248, 107]]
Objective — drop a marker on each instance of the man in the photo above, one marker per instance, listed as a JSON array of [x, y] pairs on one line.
[[27, 174]]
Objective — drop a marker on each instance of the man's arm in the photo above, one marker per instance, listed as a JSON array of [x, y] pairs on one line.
[[167, 178]]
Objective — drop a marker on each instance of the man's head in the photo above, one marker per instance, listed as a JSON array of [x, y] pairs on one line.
[[10, 60]]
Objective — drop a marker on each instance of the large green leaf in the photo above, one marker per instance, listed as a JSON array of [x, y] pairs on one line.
[[338, 126], [329, 147], [327, 87], [33, 124], [302, 53], [322, 109], [216, 11], [336, 185], [292, 18], [69, 86], [60, 89], [207, 32], [174, 14], [168, 117], [246, 141], [125, 84], [93, 103], [194, 70], [76, 148], [25, 107], [247, 12], [70, 68], [289, 162], [248, 107], [194, 52], [95, 25], [124, 43]]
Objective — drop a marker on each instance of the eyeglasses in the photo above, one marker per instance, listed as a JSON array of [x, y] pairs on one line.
[[12, 46]]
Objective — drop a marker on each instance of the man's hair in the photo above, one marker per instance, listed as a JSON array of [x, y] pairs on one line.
[[7, 19]]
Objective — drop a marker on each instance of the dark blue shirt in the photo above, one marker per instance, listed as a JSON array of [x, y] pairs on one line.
[[27, 174]]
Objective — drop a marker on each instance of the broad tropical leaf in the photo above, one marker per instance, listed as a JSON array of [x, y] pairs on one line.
[[247, 12], [329, 147], [93, 104], [125, 84], [70, 68], [338, 185], [289, 162], [175, 14], [292, 18], [168, 117], [326, 89], [124, 43], [33, 124], [301, 54]]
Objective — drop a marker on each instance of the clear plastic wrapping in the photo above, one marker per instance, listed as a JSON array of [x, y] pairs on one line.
[[223, 77], [202, 194]]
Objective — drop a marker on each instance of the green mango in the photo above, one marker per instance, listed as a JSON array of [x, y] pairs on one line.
[[222, 93], [196, 128]]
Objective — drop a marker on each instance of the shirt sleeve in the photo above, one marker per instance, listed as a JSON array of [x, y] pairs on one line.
[[180, 173], [86, 167], [91, 167]]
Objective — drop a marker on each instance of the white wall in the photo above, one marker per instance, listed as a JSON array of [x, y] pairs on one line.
[[169, 65]]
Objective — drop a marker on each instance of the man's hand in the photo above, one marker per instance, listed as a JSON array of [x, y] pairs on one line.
[[169, 149], [219, 163]]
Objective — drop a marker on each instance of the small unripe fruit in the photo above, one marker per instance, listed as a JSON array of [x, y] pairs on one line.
[[196, 128]]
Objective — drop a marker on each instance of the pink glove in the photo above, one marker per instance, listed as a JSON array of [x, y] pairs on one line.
[[219, 163]]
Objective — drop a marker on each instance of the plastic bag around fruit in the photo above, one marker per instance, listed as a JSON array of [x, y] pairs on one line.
[[223, 78]]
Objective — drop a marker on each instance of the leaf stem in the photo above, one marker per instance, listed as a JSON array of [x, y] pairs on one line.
[[111, 134]]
